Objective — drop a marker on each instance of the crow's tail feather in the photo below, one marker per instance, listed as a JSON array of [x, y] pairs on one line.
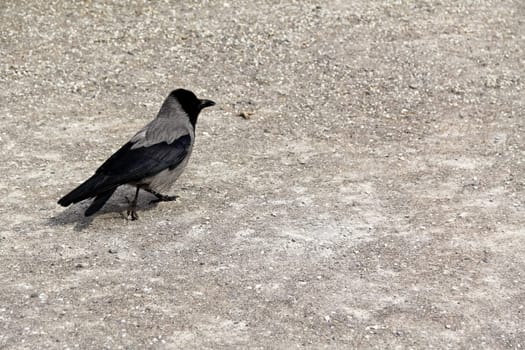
[[95, 185], [99, 201]]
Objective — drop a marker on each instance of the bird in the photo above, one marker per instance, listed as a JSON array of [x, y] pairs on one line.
[[151, 160]]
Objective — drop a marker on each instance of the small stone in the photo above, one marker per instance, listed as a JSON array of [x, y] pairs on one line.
[[245, 115]]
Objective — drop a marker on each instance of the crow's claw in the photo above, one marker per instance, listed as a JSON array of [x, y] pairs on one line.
[[163, 198]]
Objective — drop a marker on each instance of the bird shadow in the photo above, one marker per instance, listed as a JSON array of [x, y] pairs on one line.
[[117, 204]]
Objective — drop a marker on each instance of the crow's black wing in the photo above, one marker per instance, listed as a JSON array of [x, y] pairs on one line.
[[130, 165]]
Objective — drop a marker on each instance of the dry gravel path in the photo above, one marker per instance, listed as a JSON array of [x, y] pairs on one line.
[[373, 198]]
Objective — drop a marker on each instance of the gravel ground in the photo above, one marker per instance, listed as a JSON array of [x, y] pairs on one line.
[[371, 197]]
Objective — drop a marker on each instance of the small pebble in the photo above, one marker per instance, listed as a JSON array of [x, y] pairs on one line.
[[245, 115]]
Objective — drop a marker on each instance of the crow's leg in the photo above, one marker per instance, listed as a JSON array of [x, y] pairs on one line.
[[133, 206], [160, 197]]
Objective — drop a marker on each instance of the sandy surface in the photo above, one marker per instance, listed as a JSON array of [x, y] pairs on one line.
[[373, 199]]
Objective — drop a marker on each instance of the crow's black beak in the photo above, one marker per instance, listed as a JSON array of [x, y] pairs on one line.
[[206, 103]]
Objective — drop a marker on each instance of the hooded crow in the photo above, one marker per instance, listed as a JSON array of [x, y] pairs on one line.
[[151, 160]]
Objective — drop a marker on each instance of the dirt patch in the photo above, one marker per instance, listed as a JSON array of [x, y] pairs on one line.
[[372, 199]]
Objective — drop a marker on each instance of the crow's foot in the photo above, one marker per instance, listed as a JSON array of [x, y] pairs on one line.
[[132, 206], [161, 197]]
